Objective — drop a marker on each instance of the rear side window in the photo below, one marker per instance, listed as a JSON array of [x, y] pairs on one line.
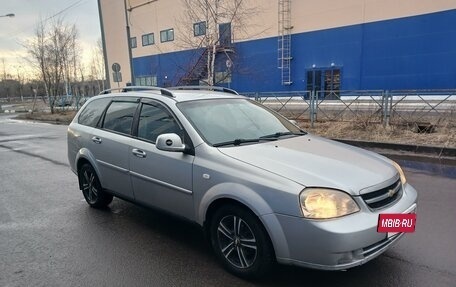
[[119, 117], [92, 112]]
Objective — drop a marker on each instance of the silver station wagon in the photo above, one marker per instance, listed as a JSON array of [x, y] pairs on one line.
[[262, 189]]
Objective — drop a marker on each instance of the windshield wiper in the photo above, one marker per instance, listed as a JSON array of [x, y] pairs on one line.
[[237, 142], [271, 137], [280, 134]]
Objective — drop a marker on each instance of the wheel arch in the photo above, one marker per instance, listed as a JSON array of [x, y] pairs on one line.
[[234, 193], [216, 204], [85, 156], [253, 202]]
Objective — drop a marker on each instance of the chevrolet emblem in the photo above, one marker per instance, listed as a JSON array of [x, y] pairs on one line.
[[392, 192]]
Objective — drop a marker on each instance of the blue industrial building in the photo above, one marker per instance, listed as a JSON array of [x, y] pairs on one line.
[[417, 52]]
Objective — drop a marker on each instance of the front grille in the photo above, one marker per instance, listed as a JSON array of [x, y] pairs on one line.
[[383, 197]]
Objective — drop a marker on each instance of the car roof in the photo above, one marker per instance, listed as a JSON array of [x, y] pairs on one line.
[[184, 95], [180, 94]]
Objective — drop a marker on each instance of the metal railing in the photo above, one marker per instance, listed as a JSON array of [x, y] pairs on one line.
[[364, 105], [411, 107], [293, 105], [41, 103], [415, 107], [397, 107]]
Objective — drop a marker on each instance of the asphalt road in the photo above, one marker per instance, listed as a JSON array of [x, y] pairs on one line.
[[50, 237]]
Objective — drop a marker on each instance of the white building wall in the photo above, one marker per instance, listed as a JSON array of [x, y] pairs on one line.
[[115, 32]]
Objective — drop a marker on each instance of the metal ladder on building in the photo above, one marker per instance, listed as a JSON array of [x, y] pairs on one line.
[[284, 41]]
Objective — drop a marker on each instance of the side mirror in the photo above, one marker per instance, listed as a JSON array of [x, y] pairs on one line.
[[170, 142]]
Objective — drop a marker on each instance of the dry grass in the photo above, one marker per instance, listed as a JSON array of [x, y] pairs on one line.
[[444, 136], [64, 117], [362, 129]]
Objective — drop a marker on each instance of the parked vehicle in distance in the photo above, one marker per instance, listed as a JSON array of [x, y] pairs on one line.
[[64, 100], [263, 190], [82, 100]]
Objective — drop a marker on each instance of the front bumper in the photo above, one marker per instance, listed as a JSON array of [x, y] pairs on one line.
[[335, 244]]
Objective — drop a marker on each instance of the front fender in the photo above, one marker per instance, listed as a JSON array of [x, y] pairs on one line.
[[236, 192], [255, 203]]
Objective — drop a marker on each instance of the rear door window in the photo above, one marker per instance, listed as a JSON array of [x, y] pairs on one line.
[[119, 117]]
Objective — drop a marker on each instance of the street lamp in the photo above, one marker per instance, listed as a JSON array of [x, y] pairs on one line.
[[8, 15]]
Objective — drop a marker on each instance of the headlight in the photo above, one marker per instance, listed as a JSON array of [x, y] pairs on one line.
[[321, 203], [401, 173]]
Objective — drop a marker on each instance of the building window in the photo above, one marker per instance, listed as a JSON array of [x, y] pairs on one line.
[[167, 35], [148, 39], [324, 81], [225, 34], [146, 81], [199, 28], [314, 80], [332, 80], [133, 43]]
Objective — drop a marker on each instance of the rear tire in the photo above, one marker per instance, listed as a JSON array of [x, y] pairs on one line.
[[240, 242], [91, 187]]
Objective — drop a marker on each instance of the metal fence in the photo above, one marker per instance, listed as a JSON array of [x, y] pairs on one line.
[[411, 107], [41, 103], [293, 105]]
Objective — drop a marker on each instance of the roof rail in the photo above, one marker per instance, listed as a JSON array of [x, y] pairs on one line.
[[163, 91], [206, 88]]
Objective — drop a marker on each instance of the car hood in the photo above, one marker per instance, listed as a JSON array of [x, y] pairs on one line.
[[317, 162]]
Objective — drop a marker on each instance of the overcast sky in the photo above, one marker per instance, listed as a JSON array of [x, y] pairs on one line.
[[16, 30]]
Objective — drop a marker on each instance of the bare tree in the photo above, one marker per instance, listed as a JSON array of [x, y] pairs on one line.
[[54, 52], [20, 77], [210, 26], [5, 86], [97, 66]]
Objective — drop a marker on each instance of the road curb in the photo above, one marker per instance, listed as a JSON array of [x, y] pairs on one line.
[[418, 150]]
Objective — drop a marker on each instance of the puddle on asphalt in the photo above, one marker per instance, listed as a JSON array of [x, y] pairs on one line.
[[431, 166]]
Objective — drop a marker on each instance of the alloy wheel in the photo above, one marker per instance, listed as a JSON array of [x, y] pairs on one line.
[[236, 241], [89, 186]]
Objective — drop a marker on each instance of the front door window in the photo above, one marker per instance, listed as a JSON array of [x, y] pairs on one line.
[[155, 120]]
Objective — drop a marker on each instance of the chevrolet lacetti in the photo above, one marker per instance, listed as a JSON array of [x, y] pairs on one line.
[[263, 190]]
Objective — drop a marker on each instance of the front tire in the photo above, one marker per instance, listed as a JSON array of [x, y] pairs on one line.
[[92, 189], [240, 242]]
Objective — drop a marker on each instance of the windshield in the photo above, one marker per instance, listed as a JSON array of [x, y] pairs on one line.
[[235, 121]]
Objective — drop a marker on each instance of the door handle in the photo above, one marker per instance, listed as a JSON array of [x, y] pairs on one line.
[[138, 152], [96, 140]]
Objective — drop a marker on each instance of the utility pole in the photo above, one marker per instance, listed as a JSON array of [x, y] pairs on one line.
[[130, 54], [127, 19]]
